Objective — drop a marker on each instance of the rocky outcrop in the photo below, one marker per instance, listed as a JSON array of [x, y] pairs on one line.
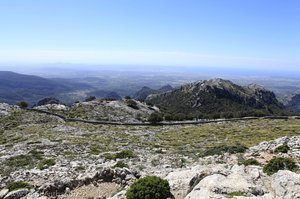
[[294, 103], [215, 96], [48, 100], [6, 108], [120, 176], [17, 194], [286, 185]]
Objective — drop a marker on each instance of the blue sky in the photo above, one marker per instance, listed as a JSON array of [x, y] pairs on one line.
[[235, 33]]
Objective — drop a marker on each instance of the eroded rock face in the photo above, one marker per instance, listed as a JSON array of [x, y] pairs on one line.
[[17, 194], [286, 185], [249, 180]]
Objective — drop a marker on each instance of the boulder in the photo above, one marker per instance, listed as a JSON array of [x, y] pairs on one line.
[[3, 193], [17, 194], [286, 184]]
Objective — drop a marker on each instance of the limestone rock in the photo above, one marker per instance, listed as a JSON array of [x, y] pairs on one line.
[[3, 192], [286, 184], [17, 194]]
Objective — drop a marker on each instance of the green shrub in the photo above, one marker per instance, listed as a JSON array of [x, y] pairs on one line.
[[279, 163], [131, 103], [282, 149], [95, 149], [125, 154], [19, 161], [250, 162], [23, 104], [150, 187], [236, 193], [121, 165], [18, 185], [37, 154], [155, 118], [90, 98], [219, 150], [44, 164], [120, 155]]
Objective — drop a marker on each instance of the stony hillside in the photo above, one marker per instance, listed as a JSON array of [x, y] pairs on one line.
[[42, 156], [294, 104], [146, 91], [126, 110], [217, 98]]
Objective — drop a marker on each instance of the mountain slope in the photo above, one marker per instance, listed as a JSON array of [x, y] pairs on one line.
[[146, 91], [294, 104], [16, 87], [217, 97]]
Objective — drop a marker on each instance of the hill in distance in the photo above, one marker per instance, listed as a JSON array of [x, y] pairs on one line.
[[217, 98], [146, 91], [16, 87], [294, 104]]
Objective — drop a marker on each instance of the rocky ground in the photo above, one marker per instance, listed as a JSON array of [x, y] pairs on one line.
[[126, 110], [59, 159]]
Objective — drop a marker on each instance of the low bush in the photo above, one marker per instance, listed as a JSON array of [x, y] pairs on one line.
[[44, 164], [279, 163], [150, 187], [23, 104], [18, 185], [90, 98], [120, 155], [131, 103], [219, 150], [237, 193], [121, 165], [250, 162], [155, 118], [282, 149]]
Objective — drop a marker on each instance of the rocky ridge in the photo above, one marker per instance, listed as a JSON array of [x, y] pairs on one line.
[[216, 96]]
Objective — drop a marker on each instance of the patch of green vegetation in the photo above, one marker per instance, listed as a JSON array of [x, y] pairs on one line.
[[282, 149], [219, 150], [37, 154], [155, 118], [279, 163], [131, 103], [149, 187], [120, 155], [44, 164], [95, 150], [12, 186], [251, 161], [236, 193], [121, 165], [198, 139], [19, 161]]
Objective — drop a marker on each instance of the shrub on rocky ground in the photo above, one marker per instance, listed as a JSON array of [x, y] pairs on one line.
[[250, 162], [149, 187], [44, 164], [279, 163], [219, 150], [282, 149], [121, 165], [18, 185], [120, 155]]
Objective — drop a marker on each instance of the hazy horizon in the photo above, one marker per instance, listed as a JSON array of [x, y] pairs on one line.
[[234, 34]]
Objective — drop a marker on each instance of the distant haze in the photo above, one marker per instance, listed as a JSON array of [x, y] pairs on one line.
[[194, 33]]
